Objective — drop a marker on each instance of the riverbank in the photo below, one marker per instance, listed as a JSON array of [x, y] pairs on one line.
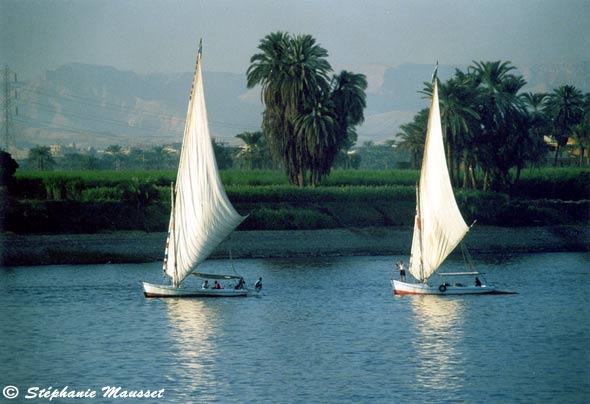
[[136, 247]]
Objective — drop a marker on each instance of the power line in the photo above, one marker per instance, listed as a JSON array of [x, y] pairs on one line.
[[90, 117], [79, 131], [25, 120], [92, 103], [122, 109]]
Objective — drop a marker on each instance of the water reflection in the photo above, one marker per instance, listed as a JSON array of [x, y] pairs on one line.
[[192, 328], [439, 331]]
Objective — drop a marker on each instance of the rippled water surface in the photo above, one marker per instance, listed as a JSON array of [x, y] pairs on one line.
[[324, 330]]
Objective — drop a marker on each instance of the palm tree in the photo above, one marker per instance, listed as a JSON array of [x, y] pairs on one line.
[[535, 102], [349, 100], [250, 154], [331, 123], [564, 108], [536, 148], [581, 132], [40, 157], [318, 128], [502, 123], [293, 73], [413, 137]]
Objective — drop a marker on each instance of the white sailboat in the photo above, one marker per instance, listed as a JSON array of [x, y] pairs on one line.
[[202, 215], [439, 226]]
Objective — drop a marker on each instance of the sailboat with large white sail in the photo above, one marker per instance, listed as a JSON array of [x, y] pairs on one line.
[[439, 226], [201, 215]]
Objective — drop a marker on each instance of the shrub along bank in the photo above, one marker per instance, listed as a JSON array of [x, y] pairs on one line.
[[87, 202]]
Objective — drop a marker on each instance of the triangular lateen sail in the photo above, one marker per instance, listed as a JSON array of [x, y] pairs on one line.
[[439, 225], [203, 215]]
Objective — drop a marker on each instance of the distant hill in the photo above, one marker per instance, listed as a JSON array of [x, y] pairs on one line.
[[546, 77], [396, 99], [99, 106]]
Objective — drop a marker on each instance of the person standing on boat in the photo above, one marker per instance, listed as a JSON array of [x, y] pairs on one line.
[[402, 271]]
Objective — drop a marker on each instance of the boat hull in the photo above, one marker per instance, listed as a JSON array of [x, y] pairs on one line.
[[152, 290], [403, 288]]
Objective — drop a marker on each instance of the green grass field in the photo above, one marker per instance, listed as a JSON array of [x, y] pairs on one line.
[[88, 201]]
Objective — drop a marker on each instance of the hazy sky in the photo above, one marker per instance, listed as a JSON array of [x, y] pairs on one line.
[[162, 35]]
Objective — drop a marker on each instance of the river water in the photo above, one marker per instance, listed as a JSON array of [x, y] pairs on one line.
[[324, 330]]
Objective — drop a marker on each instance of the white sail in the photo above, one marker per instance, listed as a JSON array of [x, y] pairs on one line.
[[203, 215], [439, 225]]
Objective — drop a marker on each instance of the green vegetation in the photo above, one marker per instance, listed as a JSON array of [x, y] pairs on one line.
[[493, 130], [94, 201]]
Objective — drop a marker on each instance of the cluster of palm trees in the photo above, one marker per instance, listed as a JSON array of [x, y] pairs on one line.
[[309, 116], [494, 130]]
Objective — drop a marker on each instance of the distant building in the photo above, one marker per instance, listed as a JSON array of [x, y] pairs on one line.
[[173, 148], [60, 150]]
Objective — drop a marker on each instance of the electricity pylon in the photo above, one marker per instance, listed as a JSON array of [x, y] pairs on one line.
[[8, 107]]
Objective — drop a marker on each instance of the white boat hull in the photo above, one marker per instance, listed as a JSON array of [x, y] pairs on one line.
[[151, 290], [403, 288]]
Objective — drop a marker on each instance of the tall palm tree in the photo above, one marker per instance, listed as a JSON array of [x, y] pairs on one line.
[[267, 69], [349, 100], [266, 66], [564, 108], [293, 73], [537, 148]]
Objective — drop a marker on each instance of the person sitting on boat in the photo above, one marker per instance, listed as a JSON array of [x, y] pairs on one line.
[[258, 285], [240, 284], [217, 285], [477, 281], [205, 284]]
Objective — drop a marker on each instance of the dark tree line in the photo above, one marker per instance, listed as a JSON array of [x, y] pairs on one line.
[[114, 158], [254, 154]]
